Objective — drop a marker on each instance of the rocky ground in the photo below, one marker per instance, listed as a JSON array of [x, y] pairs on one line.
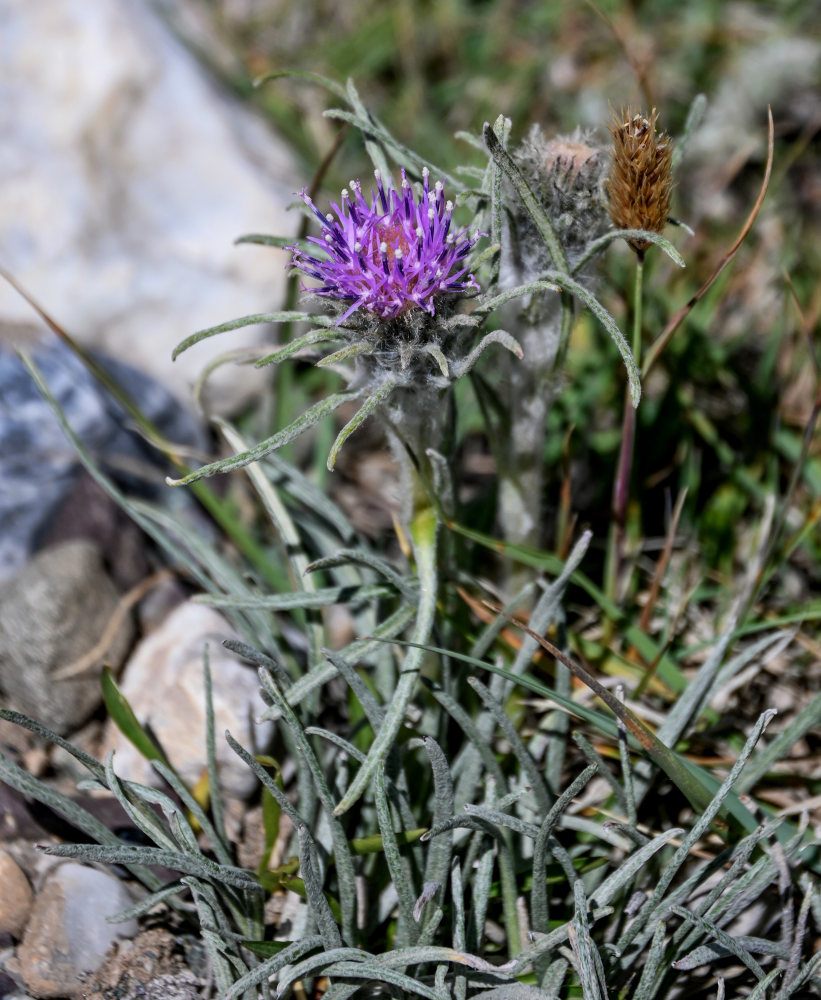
[[127, 176]]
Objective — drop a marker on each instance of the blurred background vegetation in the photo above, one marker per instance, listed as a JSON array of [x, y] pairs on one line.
[[726, 407]]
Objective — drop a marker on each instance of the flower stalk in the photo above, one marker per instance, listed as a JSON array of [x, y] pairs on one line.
[[559, 184], [639, 189]]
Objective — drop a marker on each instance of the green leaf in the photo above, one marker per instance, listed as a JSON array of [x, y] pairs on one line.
[[298, 886], [126, 721], [271, 814], [265, 949], [373, 843], [361, 415], [235, 324], [603, 316], [310, 417], [629, 234], [318, 336], [540, 218], [261, 239], [423, 533], [318, 78]]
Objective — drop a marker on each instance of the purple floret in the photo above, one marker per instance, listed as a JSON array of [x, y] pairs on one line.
[[392, 255]]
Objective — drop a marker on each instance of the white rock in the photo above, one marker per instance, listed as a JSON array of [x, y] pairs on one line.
[[163, 682], [67, 934], [126, 177]]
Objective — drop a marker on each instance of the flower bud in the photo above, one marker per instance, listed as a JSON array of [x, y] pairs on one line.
[[566, 174]]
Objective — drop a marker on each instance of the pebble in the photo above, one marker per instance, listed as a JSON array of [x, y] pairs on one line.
[[16, 897], [67, 936], [163, 683], [53, 612], [155, 965]]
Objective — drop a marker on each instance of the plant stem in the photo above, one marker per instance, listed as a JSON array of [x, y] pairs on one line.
[[532, 385], [621, 483]]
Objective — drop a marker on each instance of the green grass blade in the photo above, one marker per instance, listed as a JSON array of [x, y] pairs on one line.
[[423, 530], [237, 324], [122, 714]]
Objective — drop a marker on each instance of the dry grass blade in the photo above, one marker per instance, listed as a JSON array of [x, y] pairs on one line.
[[89, 660], [661, 565], [636, 727]]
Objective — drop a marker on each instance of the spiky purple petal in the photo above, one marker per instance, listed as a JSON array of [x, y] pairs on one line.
[[392, 255]]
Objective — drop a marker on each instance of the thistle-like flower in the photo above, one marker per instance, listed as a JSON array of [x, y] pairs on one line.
[[641, 176], [396, 254], [394, 271]]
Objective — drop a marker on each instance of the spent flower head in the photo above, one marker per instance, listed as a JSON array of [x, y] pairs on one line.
[[399, 252], [641, 175]]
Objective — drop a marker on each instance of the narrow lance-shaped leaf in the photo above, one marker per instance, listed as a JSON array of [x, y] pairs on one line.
[[645, 235], [525, 192], [603, 316], [423, 531], [255, 319], [362, 414], [310, 417], [265, 240], [494, 337], [293, 347], [320, 909], [302, 74], [126, 721]]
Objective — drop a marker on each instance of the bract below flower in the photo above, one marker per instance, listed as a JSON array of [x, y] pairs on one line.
[[396, 254]]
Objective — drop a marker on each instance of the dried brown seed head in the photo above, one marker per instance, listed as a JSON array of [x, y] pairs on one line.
[[641, 176]]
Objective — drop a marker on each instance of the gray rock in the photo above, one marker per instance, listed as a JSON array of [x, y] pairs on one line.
[[54, 611], [38, 465], [67, 936], [16, 897], [127, 175], [163, 682]]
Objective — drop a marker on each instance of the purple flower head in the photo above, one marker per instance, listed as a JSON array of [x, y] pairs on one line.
[[393, 255]]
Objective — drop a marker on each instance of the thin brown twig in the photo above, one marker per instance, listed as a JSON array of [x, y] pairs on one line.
[[88, 661], [631, 721], [663, 338]]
